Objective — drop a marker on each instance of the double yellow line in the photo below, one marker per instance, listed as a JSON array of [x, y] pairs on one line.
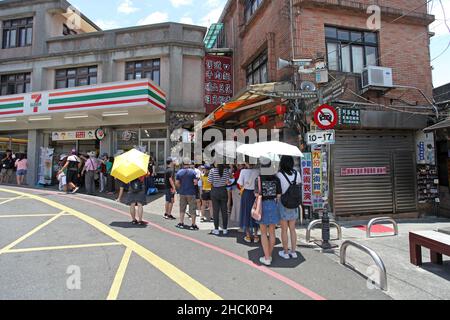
[[185, 281]]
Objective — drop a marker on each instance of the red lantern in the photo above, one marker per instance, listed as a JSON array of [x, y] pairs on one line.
[[251, 124], [264, 119], [281, 109]]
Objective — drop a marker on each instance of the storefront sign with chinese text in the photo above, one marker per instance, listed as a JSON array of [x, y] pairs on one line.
[[218, 86], [349, 117], [73, 135], [317, 172], [366, 171], [425, 148], [307, 179]]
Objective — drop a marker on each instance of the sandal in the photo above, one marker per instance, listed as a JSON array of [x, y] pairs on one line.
[[142, 223], [256, 239], [247, 239], [180, 226], [134, 222]]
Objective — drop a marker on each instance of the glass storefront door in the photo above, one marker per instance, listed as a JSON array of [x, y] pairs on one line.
[[157, 150]]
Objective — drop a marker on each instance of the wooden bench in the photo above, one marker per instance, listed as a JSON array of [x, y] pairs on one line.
[[437, 242]]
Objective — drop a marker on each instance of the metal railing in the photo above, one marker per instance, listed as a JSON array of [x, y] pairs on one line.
[[314, 223], [380, 219], [376, 258]]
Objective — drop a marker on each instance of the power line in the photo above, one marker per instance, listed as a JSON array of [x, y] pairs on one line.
[[448, 27]]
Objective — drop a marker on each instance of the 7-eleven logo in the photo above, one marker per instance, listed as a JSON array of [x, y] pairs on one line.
[[36, 101]]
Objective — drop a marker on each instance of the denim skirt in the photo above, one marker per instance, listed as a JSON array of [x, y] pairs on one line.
[[287, 214], [270, 212]]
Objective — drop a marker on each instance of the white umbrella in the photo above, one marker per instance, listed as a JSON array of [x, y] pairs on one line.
[[269, 149]]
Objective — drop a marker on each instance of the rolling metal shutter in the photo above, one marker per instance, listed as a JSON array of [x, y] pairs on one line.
[[364, 195]]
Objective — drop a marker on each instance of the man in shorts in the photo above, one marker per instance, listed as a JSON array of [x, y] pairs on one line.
[[7, 168], [169, 181], [186, 181]]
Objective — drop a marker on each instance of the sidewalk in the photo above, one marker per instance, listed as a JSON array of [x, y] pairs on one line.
[[405, 281]]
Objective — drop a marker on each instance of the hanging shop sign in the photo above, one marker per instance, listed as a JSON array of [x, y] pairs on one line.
[[306, 164], [425, 148], [325, 117], [366, 171], [349, 117], [321, 137], [218, 84], [74, 135], [100, 134]]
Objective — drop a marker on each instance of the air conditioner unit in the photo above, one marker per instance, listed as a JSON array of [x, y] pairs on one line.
[[377, 77]]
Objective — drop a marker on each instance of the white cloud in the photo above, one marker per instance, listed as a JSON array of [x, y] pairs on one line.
[[186, 20], [215, 3], [107, 24], [155, 17], [439, 27], [126, 7], [212, 17], [179, 3]]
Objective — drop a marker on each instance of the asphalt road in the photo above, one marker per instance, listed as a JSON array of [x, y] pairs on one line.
[[58, 246]]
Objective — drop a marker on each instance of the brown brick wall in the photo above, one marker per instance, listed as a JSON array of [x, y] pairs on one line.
[[404, 46]]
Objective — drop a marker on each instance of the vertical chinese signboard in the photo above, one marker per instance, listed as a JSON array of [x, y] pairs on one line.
[[317, 179], [218, 87], [307, 179]]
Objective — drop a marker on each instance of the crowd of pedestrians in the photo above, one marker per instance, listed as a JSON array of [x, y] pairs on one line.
[[208, 193]]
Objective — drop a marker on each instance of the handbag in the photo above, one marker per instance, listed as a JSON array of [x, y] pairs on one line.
[[256, 211]]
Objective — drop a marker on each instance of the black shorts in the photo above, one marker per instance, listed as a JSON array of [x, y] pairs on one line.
[[197, 193], [72, 176], [206, 195]]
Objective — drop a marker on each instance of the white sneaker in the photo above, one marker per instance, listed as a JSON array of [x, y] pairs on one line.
[[225, 232], [215, 232], [75, 190], [284, 255], [264, 261], [293, 254]]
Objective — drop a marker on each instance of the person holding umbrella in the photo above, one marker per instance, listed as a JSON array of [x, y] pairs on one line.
[[136, 197]]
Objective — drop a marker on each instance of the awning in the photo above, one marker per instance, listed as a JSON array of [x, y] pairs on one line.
[[252, 96], [133, 99], [440, 125]]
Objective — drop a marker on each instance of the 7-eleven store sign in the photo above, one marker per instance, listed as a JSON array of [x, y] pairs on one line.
[[106, 96]]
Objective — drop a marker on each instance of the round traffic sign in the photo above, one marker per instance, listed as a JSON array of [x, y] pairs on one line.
[[325, 117]]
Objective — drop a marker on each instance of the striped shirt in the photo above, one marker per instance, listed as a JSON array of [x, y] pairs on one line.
[[216, 180]]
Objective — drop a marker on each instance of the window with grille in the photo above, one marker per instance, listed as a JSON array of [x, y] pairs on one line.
[[351, 50], [15, 83], [75, 77], [143, 69], [257, 70], [17, 33]]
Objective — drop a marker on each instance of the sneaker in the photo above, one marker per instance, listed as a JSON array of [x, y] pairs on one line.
[[264, 261], [75, 190], [247, 239], [142, 223], [166, 216], [284, 255], [134, 222], [293, 254], [256, 239], [215, 232], [180, 225], [225, 232], [171, 217], [193, 227]]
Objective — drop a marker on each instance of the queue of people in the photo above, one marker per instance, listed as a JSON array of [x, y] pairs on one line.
[[13, 164]]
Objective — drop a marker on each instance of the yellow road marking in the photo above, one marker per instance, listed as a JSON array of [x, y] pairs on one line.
[[115, 288], [185, 281], [22, 238], [31, 215], [75, 246], [12, 199]]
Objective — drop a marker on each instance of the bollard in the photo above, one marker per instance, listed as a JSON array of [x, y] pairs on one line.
[[325, 229]]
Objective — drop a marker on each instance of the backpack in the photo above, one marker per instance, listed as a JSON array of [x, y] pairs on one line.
[[136, 186], [291, 199]]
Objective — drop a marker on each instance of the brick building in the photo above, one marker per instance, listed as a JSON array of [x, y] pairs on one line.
[[390, 115]]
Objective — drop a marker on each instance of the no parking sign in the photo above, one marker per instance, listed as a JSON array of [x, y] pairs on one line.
[[325, 117]]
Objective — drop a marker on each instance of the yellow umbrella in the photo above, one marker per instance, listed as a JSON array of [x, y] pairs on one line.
[[130, 165]]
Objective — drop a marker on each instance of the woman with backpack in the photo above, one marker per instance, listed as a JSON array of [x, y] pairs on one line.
[[267, 194], [290, 181]]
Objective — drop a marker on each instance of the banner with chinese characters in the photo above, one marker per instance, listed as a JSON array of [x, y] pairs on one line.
[[74, 135], [425, 148], [349, 116], [307, 179], [218, 87], [364, 171], [317, 172]]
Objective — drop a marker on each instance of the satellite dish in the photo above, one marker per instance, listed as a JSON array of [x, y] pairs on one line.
[[281, 64], [307, 86]]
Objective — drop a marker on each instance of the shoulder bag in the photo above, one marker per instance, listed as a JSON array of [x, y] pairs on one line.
[[257, 205]]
